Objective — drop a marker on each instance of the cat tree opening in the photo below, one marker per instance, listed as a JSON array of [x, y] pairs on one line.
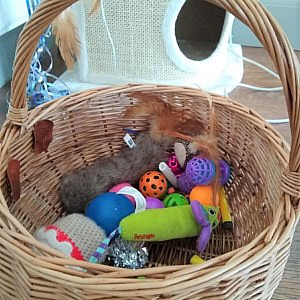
[[198, 29]]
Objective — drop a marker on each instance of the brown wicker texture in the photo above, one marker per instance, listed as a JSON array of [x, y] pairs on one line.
[[245, 264]]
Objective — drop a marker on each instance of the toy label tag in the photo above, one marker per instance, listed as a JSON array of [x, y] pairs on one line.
[[129, 141]]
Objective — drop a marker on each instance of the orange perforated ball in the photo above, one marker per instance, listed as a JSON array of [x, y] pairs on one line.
[[153, 184], [203, 194]]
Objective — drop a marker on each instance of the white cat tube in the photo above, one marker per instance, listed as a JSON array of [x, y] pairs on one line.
[[215, 60]]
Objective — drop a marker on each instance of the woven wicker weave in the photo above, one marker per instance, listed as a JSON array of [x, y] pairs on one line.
[[245, 264]]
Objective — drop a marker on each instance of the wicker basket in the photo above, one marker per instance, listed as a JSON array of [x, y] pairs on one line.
[[245, 264]]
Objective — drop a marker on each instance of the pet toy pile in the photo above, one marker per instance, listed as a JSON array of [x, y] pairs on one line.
[[166, 184]]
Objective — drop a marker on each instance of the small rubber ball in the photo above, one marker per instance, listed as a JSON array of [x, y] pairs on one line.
[[153, 184], [200, 170], [204, 195], [175, 199]]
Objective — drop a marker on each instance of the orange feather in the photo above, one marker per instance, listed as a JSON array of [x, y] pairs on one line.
[[66, 37], [164, 117]]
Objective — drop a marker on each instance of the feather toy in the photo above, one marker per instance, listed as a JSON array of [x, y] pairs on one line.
[[66, 37], [164, 117]]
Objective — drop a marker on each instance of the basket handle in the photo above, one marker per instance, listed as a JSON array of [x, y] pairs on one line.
[[251, 12]]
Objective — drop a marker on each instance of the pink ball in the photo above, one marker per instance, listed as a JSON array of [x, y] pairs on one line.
[[118, 187], [154, 203]]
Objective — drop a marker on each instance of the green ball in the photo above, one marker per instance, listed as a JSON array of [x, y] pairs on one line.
[[175, 199]]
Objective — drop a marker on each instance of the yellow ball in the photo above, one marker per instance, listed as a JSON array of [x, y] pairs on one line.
[[196, 260]]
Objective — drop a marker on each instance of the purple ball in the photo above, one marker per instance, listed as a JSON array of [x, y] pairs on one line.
[[154, 203], [225, 172], [200, 170], [184, 184]]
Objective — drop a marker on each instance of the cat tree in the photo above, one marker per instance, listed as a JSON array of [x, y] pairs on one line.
[[175, 42]]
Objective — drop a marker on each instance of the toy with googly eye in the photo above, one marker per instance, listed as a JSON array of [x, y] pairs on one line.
[[153, 184], [169, 223], [220, 211]]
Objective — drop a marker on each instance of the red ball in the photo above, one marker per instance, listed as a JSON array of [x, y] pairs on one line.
[[153, 184]]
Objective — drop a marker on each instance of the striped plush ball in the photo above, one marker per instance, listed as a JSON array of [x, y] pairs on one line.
[[74, 235]]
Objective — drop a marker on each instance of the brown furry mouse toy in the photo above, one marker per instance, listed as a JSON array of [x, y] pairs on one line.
[[79, 187]]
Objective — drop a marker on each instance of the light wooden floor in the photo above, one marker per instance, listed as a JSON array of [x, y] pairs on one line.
[[269, 105]]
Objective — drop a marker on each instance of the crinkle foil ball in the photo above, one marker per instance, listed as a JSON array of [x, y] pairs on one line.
[[127, 254]]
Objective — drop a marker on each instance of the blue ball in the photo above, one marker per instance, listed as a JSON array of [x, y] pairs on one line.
[[108, 209]]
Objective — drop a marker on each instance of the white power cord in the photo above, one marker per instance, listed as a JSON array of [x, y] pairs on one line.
[[251, 61], [262, 89], [109, 35], [278, 121]]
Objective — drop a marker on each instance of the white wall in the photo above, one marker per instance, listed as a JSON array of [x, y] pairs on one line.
[[286, 12], [13, 13], [8, 43]]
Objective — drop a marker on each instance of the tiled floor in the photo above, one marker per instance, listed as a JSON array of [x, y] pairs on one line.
[[269, 105]]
